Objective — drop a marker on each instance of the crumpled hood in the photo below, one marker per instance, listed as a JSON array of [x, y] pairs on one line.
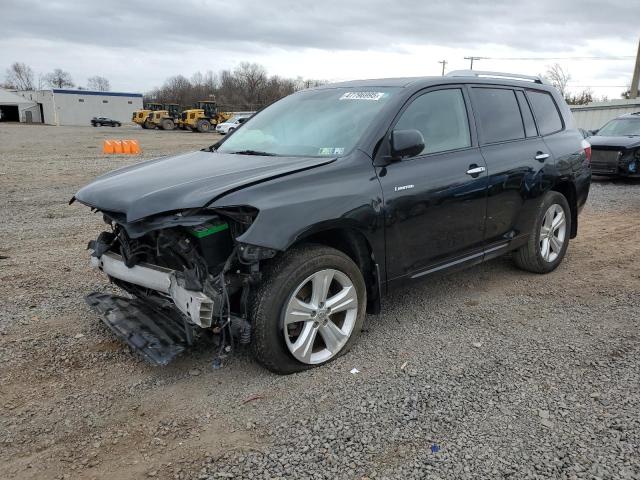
[[184, 181], [614, 142]]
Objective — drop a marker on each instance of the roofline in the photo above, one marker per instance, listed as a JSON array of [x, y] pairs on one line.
[[93, 92], [427, 81]]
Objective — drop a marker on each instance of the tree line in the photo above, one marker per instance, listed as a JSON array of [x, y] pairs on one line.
[[247, 87], [20, 76]]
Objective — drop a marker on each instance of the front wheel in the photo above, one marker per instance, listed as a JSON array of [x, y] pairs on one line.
[[308, 310], [549, 240], [203, 126]]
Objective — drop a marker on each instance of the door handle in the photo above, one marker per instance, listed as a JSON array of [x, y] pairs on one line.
[[541, 156], [474, 171]]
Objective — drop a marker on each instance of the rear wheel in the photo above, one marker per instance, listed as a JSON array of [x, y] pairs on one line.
[[549, 240], [203, 126], [308, 310]]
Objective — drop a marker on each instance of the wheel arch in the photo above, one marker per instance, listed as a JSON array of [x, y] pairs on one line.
[[356, 246]]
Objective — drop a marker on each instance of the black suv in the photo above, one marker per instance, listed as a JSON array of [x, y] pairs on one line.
[[103, 121], [616, 147], [287, 231]]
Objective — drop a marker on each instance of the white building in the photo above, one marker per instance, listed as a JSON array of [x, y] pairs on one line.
[[594, 115], [77, 107], [15, 108]]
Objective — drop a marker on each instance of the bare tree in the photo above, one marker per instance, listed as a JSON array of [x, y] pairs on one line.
[[559, 78], [98, 83], [582, 98], [248, 87], [59, 79], [20, 76]]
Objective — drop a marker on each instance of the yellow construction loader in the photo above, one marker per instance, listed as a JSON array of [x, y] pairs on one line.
[[203, 117], [166, 118], [141, 117]]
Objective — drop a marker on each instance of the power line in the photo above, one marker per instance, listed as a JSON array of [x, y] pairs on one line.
[[609, 57]]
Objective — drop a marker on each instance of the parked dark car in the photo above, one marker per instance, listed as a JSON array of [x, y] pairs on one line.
[[285, 233], [105, 122], [616, 147]]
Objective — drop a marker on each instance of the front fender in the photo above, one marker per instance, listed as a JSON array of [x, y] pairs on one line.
[[344, 194]]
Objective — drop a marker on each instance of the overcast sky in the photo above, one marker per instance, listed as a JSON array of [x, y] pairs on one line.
[[136, 45]]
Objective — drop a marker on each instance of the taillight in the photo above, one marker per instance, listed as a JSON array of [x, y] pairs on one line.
[[586, 146]]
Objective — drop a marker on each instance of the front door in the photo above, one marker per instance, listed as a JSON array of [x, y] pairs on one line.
[[435, 202]]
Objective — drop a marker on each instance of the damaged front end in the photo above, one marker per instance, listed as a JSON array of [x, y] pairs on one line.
[[185, 273]]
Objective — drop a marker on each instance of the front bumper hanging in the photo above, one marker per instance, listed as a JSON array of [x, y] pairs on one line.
[[157, 334], [197, 306]]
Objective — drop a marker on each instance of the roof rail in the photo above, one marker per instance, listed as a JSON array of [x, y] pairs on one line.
[[481, 73]]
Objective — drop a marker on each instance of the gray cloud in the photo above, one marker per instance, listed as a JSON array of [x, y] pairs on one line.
[[545, 25]]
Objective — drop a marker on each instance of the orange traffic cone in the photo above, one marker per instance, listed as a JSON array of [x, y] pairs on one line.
[[128, 147], [107, 147], [135, 147]]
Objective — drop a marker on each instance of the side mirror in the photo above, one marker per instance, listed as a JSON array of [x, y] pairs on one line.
[[406, 143], [594, 132]]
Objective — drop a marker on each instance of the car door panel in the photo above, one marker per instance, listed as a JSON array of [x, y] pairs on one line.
[[434, 210], [509, 145], [515, 180]]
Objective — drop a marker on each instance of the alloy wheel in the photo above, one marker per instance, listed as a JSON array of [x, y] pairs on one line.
[[320, 316], [552, 233]]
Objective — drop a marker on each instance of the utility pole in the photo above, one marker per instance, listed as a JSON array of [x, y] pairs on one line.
[[636, 76], [472, 59], [444, 64]]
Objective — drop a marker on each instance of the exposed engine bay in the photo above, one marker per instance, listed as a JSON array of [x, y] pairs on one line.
[[184, 274]]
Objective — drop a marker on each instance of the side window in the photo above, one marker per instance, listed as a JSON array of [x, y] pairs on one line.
[[546, 112], [441, 117], [527, 116], [498, 114]]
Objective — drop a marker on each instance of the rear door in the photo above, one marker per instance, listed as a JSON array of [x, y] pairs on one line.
[[435, 202], [516, 158]]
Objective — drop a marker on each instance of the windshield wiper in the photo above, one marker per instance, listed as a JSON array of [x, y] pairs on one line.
[[255, 152]]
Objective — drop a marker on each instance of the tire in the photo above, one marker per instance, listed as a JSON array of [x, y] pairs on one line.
[[148, 125], [541, 253], [113, 124], [167, 124], [203, 126], [94, 124], [272, 343], [230, 130]]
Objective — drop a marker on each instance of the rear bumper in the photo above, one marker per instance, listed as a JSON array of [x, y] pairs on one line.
[[196, 306]]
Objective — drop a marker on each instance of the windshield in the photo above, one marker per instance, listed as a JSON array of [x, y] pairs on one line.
[[317, 123], [621, 127]]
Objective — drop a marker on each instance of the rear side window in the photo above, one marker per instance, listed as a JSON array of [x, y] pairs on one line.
[[498, 114], [546, 112], [441, 117], [527, 117]]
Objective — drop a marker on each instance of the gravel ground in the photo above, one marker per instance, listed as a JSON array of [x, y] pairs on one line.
[[488, 373]]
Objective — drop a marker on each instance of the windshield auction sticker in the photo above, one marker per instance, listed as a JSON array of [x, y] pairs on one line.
[[374, 96], [331, 151]]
